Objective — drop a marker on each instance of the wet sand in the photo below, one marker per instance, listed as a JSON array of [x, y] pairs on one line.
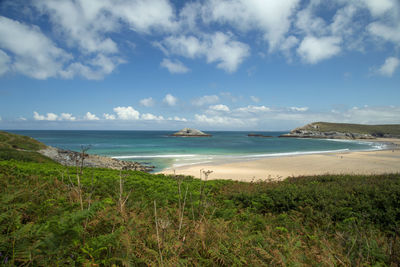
[[366, 162]]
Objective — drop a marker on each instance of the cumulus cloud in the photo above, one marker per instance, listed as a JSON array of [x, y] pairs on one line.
[[389, 67], [174, 66], [251, 108], [151, 117], [176, 118], [127, 113], [219, 120], [147, 102], [49, 117], [219, 107], [110, 117], [271, 18], [90, 117], [34, 54], [67, 117], [386, 32], [205, 100], [379, 8], [313, 49], [170, 100], [217, 48], [86, 23]]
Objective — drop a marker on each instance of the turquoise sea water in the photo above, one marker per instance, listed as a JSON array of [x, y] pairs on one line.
[[163, 151]]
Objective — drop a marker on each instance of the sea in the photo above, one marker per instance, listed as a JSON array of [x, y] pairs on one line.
[[159, 149]]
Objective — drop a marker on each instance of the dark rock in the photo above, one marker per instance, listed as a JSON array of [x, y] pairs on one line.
[[189, 132]]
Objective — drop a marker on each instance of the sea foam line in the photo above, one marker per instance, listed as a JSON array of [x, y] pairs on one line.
[[294, 153], [153, 156]]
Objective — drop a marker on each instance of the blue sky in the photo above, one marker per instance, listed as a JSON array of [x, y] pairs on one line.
[[212, 64]]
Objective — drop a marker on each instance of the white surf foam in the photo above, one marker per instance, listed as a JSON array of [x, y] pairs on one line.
[[154, 156]]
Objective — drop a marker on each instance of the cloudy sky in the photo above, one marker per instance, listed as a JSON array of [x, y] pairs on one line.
[[211, 64]]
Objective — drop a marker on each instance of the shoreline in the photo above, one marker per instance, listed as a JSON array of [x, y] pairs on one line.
[[278, 168]]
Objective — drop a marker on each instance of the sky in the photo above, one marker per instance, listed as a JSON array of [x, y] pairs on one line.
[[210, 64]]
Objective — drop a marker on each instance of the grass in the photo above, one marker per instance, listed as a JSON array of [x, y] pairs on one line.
[[22, 148], [376, 130], [324, 220]]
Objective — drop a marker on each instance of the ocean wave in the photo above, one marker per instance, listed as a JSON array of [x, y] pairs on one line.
[[188, 164], [296, 153], [153, 156]]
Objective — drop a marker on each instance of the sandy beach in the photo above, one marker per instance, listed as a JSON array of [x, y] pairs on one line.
[[365, 162]]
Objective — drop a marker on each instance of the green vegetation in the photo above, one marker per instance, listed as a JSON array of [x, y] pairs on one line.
[[375, 130], [52, 215], [22, 148]]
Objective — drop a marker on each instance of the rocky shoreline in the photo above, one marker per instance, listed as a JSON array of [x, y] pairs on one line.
[[72, 158], [314, 130], [326, 135]]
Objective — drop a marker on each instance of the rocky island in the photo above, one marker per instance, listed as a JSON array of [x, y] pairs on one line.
[[327, 130], [190, 132], [259, 135]]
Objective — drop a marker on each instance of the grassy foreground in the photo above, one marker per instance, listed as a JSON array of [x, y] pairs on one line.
[[55, 215]]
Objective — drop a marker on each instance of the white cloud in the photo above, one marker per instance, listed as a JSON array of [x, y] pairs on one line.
[[287, 46], [109, 116], [219, 120], [205, 100], [313, 49], [372, 115], [151, 117], [271, 18], [170, 100], [20, 118], [255, 99], [254, 109], [67, 117], [95, 68], [174, 66], [49, 117], [218, 47], [176, 118], [387, 33], [219, 107], [127, 113], [379, 8], [90, 117], [86, 23], [389, 67], [147, 102], [308, 23], [4, 63], [301, 109], [34, 54]]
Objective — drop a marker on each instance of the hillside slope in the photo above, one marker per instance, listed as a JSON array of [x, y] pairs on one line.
[[22, 148], [345, 131]]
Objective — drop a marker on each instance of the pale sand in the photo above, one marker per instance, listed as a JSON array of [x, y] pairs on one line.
[[368, 162]]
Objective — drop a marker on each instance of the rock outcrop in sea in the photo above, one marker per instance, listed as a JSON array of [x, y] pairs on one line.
[[190, 132], [72, 158]]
